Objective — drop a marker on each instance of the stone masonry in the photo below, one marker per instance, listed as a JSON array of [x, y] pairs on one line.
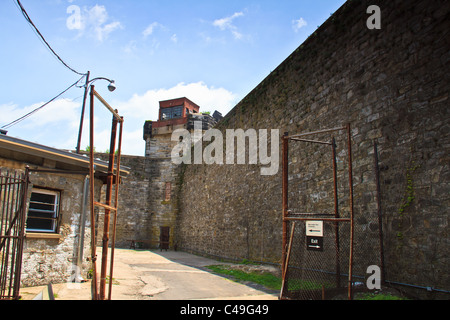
[[392, 86]]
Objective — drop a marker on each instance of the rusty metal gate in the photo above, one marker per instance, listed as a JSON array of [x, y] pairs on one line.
[[13, 199], [317, 251], [112, 182]]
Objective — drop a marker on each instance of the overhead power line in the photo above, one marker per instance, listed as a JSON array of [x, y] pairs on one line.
[[27, 17], [6, 126]]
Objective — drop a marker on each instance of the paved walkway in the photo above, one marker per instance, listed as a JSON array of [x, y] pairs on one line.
[[155, 275]]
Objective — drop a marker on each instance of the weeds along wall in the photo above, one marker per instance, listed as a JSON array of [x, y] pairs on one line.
[[391, 85]]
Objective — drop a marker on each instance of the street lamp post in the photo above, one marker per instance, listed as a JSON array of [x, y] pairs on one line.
[[111, 88]]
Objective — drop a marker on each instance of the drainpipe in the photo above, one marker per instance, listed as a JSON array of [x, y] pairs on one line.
[[78, 277]]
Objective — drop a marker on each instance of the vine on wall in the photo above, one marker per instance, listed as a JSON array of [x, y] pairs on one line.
[[409, 196]]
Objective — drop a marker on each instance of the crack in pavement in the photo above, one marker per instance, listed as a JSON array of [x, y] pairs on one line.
[[152, 285]]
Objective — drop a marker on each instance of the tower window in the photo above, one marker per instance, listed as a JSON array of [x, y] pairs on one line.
[[171, 113]]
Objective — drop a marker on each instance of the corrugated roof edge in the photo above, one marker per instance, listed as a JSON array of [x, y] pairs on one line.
[[62, 154]]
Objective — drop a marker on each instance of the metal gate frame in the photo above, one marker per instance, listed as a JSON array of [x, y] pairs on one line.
[[112, 180], [13, 203], [294, 217]]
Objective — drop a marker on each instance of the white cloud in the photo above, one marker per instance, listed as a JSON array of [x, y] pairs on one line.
[[154, 41], [133, 143], [97, 17], [298, 24], [103, 32], [140, 108], [56, 111], [57, 124], [226, 24], [146, 106], [91, 21], [130, 47], [149, 30]]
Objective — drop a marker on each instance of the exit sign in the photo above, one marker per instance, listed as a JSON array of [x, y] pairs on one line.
[[314, 235], [314, 243]]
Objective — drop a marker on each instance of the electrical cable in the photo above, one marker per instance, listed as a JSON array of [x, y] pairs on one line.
[[27, 17], [6, 126]]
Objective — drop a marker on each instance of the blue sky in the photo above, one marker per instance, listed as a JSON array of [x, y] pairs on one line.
[[213, 52]]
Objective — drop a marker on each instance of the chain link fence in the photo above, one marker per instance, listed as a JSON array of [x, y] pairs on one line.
[[327, 246]]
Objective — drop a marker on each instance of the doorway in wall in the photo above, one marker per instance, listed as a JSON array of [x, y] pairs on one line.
[[164, 238]]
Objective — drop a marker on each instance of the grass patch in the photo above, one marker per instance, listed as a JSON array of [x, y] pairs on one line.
[[273, 282], [379, 296], [266, 279], [298, 284]]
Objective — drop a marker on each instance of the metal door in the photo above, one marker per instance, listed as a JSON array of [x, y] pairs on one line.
[[164, 238]]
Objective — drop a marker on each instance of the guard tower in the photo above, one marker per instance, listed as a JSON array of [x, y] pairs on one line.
[[173, 115], [180, 113]]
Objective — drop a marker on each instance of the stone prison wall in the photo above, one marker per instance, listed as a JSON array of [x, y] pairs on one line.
[[392, 86]]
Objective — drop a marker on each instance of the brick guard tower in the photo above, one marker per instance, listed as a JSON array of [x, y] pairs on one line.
[[174, 114]]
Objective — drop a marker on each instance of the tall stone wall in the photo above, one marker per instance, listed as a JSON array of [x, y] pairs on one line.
[[391, 85], [145, 203], [134, 218]]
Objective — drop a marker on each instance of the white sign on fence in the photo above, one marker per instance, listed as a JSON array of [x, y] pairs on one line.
[[314, 228]]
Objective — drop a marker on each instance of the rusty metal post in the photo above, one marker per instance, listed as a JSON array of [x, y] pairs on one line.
[[99, 293], [285, 270], [350, 178], [285, 147], [11, 229], [94, 288], [307, 216], [116, 204], [21, 224], [336, 215], [380, 213], [107, 217], [80, 130]]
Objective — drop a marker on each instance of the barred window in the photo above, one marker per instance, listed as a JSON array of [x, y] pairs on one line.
[[43, 211]]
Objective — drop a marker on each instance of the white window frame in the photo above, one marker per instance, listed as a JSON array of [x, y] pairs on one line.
[[55, 211]]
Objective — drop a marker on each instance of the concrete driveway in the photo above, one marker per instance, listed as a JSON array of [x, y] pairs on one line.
[[155, 275]]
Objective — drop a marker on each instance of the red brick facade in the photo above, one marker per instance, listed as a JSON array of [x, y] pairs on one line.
[[187, 107]]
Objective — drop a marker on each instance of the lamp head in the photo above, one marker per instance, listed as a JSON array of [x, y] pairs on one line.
[[111, 86]]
